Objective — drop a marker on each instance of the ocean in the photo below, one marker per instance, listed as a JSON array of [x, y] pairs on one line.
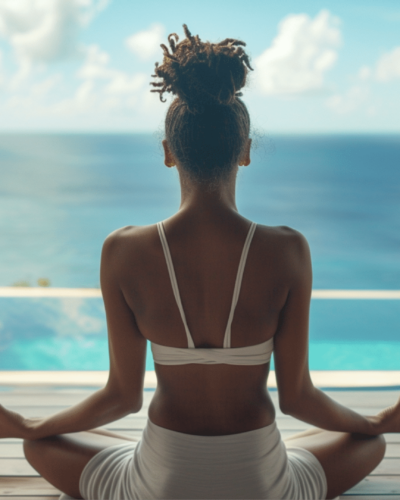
[[61, 194]]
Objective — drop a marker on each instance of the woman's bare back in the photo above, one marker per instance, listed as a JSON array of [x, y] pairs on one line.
[[207, 399]]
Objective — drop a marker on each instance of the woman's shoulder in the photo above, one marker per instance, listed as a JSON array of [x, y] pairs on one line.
[[287, 247], [129, 240], [128, 234], [285, 237], [287, 251]]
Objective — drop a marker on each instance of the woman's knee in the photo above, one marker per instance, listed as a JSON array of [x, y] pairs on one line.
[[40, 451], [370, 450], [33, 449], [56, 462], [380, 444]]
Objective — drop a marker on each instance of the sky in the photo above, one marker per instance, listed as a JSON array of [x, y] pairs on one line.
[[85, 65]]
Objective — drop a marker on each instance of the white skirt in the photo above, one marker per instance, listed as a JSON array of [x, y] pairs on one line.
[[167, 464]]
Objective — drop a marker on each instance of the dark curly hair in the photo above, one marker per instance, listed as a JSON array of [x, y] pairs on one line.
[[207, 125]]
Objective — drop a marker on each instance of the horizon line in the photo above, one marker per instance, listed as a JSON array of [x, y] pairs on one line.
[[157, 132]]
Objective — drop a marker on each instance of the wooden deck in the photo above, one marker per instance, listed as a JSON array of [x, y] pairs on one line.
[[18, 480]]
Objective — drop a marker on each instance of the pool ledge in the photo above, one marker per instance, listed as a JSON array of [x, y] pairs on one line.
[[324, 379]]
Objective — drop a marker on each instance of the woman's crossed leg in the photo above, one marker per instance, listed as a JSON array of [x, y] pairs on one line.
[[61, 459], [345, 457]]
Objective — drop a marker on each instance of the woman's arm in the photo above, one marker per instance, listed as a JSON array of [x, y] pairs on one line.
[[99, 409], [297, 395], [127, 347]]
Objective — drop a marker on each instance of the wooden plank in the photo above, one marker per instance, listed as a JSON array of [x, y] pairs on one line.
[[11, 450], [373, 399], [53, 398], [392, 438], [38, 411], [16, 467], [15, 450], [285, 433], [393, 451], [377, 485], [388, 467], [27, 486]]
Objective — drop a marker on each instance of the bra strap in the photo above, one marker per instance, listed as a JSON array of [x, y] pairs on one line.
[[238, 283], [174, 283]]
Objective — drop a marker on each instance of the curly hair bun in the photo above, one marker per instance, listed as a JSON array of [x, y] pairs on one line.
[[202, 73]]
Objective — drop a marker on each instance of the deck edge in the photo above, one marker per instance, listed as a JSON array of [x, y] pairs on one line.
[[356, 379]]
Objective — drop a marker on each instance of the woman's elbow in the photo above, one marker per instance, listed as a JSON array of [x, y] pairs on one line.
[[290, 403], [136, 405], [126, 402], [131, 404], [287, 406], [295, 402]]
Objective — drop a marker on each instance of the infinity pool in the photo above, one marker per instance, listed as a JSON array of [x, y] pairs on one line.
[[70, 334]]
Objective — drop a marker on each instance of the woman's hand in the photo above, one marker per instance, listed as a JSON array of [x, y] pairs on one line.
[[12, 424], [388, 420]]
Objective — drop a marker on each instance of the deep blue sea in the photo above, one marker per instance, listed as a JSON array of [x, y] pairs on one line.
[[60, 195]]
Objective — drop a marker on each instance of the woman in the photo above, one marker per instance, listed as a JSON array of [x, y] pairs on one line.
[[215, 294]]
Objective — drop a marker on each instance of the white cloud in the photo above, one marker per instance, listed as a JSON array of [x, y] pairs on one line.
[[349, 101], [126, 84], [42, 31], [146, 44], [96, 67], [42, 88], [300, 54], [96, 64], [365, 73], [388, 66], [104, 88], [97, 96], [101, 94], [386, 69], [84, 93]]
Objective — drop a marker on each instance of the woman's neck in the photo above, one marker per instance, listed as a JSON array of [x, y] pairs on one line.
[[197, 198]]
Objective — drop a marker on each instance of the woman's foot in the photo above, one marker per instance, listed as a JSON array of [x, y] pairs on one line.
[[388, 420]]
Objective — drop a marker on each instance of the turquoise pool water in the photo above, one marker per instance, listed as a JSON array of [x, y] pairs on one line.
[[70, 334]]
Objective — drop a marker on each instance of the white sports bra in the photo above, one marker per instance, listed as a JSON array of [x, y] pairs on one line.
[[251, 355]]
